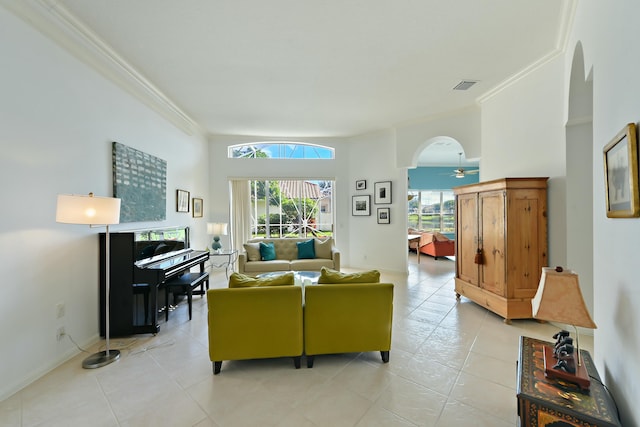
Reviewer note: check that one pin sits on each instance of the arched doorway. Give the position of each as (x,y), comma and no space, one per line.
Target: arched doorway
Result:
(440,165)
(579,167)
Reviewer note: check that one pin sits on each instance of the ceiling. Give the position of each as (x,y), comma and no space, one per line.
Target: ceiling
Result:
(331,68)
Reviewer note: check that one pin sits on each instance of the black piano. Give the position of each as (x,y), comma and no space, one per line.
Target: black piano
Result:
(141,261)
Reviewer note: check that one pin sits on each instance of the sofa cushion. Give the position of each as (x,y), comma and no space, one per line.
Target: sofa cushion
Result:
(237,280)
(328,275)
(306,249)
(253,251)
(267,251)
(314,264)
(322,248)
(254,268)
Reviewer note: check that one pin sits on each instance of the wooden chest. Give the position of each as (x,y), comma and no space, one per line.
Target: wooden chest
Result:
(551,402)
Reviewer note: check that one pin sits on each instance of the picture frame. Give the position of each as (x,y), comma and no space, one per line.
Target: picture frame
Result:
(182,201)
(197,207)
(382,193)
(384,215)
(621,174)
(361,205)
(361,184)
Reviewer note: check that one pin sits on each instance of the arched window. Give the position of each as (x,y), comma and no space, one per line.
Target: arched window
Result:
(280,150)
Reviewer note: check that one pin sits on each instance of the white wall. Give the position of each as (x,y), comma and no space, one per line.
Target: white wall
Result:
(523,133)
(372,245)
(609,44)
(58,118)
(523,136)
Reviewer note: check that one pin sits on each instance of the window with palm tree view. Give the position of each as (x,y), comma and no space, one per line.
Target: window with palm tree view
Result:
(291,208)
(432,210)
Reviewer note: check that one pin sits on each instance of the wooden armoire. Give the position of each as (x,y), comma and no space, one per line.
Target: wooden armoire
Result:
(501,243)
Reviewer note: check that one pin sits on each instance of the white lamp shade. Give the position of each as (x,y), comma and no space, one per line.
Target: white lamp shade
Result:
(217,228)
(76,209)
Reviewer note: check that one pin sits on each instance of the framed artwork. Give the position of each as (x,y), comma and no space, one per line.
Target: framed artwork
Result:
(361,184)
(361,205)
(382,193)
(140,180)
(621,174)
(182,201)
(384,215)
(196,207)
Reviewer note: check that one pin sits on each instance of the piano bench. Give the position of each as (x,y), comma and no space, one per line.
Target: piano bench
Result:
(185,284)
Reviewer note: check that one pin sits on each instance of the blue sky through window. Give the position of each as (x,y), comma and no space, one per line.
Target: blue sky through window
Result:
(281,150)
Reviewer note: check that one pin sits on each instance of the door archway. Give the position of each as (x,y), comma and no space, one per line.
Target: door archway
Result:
(579,172)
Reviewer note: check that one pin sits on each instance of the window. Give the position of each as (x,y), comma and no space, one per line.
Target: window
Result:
(291,208)
(280,150)
(432,210)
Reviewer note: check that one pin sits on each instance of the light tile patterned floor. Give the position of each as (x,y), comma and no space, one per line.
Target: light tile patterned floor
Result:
(452,363)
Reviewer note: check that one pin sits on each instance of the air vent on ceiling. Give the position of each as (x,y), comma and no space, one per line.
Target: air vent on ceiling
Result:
(465,84)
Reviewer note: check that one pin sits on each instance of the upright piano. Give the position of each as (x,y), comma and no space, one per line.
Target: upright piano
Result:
(141,261)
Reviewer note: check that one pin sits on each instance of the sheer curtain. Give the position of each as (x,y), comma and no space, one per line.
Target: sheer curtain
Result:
(240,212)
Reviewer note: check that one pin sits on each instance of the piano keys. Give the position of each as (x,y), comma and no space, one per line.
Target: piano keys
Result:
(141,261)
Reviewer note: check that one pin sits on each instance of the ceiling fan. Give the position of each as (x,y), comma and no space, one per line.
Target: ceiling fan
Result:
(460,172)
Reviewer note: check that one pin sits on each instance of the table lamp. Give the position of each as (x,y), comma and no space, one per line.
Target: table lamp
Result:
(216,229)
(559,299)
(90,210)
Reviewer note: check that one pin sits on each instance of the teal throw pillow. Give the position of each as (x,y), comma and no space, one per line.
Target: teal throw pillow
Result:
(306,250)
(267,251)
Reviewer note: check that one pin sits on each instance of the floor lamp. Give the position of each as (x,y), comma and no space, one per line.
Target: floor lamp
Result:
(93,211)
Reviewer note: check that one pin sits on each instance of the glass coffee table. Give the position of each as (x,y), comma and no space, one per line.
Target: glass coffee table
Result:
(301,277)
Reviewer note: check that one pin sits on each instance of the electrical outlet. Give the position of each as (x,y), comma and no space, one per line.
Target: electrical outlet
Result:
(60,310)
(60,333)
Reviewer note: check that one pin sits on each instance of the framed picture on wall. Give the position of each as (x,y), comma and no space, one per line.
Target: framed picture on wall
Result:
(384,215)
(196,207)
(382,193)
(621,174)
(361,184)
(182,201)
(361,205)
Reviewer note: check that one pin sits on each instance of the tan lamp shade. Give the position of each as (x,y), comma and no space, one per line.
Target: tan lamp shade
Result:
(559,299)
(78,209)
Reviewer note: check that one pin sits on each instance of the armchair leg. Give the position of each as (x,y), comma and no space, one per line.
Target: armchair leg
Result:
(216,367)
(309,361)
(385,356)
(296,362)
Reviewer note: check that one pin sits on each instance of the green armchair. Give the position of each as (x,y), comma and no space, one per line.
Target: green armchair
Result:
(348,318)
(255,323)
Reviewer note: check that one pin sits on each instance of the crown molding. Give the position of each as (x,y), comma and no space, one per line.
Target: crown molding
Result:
(58,24)
(566,23)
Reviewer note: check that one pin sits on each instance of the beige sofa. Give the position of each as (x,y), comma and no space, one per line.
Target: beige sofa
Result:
(326,255)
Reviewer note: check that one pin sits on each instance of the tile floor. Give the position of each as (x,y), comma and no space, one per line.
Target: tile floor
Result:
(451,363)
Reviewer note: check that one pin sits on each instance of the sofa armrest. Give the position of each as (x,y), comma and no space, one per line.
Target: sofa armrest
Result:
(346,318)
(335,256)
(242,260)
(260,322)
(426,238)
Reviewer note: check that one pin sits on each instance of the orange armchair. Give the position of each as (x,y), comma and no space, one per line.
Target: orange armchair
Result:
(436,244)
